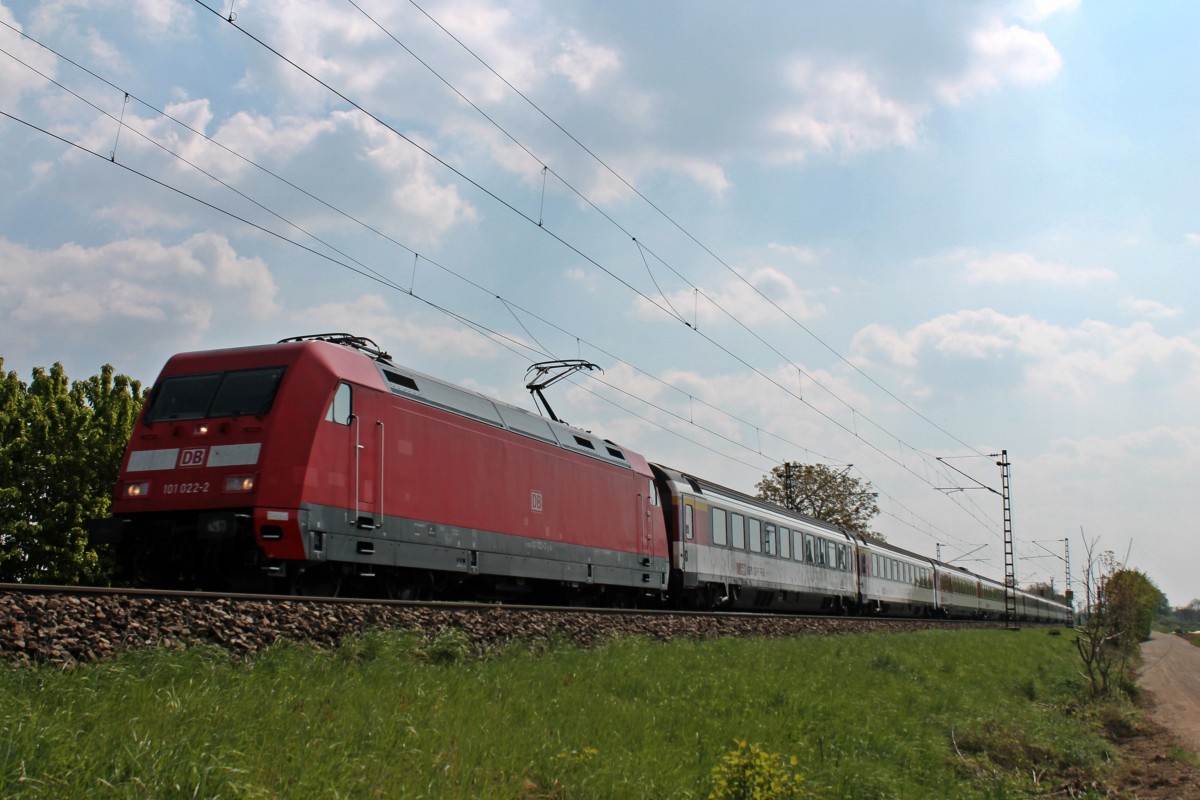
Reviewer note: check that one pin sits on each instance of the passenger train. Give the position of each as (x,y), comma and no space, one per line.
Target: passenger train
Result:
(318,465)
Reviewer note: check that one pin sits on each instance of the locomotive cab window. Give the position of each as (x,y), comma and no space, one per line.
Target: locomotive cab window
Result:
(340,409)
(247,392)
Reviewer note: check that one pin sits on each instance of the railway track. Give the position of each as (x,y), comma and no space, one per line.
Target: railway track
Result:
(70,625)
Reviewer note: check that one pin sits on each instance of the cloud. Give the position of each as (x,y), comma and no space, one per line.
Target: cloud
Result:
(1150,309)
(87,296)
(1010,268)
(1040,10)
(584,63)
(1192,238)
(1002,55)
(1077,360)
(371,315)
(739,298)
(15,79)
(840,109)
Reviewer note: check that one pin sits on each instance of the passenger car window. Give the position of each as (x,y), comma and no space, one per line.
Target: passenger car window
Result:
(720,532)
(754,535)
(810,546)
(785,543)
(739,530)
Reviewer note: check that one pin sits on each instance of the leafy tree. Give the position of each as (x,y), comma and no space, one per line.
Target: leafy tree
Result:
(61,445)
(1133,600)
(1046,589)
(823,493)
(1190,612)
(1120,604)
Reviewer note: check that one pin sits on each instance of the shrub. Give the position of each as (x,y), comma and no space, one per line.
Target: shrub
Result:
(748,772)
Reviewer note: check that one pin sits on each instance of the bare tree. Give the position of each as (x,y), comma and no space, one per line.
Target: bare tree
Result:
(1120,605)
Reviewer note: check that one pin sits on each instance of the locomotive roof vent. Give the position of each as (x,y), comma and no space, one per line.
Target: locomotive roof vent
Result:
(360,343)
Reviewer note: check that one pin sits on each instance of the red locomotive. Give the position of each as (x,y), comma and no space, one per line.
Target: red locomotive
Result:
(318,462)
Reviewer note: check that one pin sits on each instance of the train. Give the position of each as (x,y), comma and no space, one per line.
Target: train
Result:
(318,465)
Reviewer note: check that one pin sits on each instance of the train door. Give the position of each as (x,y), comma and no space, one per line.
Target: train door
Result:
(688,533)
(368,430)
(647,505)
(359,464)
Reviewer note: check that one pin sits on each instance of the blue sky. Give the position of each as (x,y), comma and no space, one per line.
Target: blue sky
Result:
(897,231)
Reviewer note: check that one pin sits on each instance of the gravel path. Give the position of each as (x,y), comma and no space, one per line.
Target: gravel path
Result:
(1171,674)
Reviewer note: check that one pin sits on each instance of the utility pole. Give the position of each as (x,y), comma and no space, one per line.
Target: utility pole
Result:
(1010,570)
(1068,595)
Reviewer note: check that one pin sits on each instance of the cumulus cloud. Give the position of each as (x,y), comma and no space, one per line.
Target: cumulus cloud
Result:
(1009,268)
(1073,359)
(1040,10)
(737,298)
(167,292)
(1003,55)
(843,109)
(16,80)
(375,318)
(1150,309)
(584,63)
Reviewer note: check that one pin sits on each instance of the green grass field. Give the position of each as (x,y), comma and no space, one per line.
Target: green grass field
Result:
(936,714)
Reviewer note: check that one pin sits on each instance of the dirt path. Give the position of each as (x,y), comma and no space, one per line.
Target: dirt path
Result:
(1171,674)
(1170,678)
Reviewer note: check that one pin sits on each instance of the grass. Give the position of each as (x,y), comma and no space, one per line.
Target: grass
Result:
(935,714)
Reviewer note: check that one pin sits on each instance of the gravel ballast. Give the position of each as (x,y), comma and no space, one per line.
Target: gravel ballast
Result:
(66,629)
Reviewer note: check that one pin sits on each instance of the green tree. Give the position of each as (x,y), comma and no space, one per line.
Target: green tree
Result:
(1119,609)
(61,445)
(824,493)
(1133,600)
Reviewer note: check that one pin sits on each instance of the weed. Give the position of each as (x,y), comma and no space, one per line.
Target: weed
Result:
(749,772)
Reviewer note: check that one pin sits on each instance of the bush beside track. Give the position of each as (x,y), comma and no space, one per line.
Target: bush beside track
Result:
(64,628)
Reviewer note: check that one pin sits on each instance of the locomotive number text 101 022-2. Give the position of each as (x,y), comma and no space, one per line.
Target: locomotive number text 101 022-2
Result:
(197,487)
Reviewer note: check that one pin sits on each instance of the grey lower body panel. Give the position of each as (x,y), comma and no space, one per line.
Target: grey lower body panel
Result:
(420,545)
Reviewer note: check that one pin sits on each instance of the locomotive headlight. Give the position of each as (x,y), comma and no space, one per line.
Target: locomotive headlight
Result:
(239,483)
(135,489)
(201,429)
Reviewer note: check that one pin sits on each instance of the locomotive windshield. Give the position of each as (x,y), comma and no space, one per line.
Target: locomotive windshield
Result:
(248,392)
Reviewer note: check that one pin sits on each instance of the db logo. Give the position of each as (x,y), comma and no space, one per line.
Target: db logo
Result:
(535,501)
(193,457)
